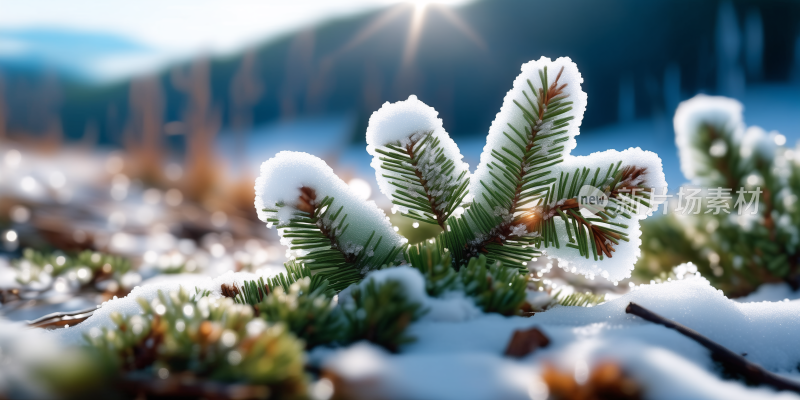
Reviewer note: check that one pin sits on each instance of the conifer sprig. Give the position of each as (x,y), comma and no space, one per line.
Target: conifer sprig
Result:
(424,177)
(519,178)
(741,245)
(253,292)
(521,203)
(315,229)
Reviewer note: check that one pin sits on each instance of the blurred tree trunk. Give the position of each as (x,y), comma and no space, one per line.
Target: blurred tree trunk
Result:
(143,138)
(246,89)
(202,119)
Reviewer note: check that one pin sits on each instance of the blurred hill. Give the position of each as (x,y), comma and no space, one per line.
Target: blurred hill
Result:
(638,59)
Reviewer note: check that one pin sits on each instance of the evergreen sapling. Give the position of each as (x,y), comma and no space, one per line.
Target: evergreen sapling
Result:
(521,203)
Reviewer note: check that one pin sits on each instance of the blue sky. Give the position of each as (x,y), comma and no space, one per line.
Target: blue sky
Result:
(108,39)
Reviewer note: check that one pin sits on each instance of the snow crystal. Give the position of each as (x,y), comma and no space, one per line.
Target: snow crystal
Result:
(281,179)
(401,122)
(721,112)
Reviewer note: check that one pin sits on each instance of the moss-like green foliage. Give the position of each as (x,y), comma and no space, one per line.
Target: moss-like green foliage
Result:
(89,266)
(307,312)
(213,338)
(379,313)
(495,288)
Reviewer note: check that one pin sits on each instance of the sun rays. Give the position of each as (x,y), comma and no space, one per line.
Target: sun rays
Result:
(419,10)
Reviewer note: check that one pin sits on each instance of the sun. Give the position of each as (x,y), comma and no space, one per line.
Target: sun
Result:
(420,5)
(419,9)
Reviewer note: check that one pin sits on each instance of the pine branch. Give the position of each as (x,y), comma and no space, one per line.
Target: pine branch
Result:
(417,164)
(307,311)
(435,266)
(519,178)
(253,292)
(315,229)
(717,150)
(424,178)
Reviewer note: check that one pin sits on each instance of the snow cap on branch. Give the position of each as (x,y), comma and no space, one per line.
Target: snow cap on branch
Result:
(282,178)
(721,113)
(758,143)
(511,115)
(404,124)
(626,253)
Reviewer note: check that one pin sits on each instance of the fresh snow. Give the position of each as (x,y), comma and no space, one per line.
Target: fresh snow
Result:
(757,143)
(459,354)
(464,360)
(771,292)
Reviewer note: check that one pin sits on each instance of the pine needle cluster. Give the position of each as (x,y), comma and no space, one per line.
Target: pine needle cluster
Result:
(494,288)
(379,313)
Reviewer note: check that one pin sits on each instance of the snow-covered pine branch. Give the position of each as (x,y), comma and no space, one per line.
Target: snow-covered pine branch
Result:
(525,189)
(608,242)
(332,230)
(762,177)
(417,165)
(526,186)
(709,132)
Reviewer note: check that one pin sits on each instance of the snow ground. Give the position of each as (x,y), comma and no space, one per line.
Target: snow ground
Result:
(771,292)
(461,358)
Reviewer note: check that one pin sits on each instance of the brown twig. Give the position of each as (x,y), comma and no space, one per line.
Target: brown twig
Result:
(630,181)
(59,319)
(307,201)
(731,361)
(440,217)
